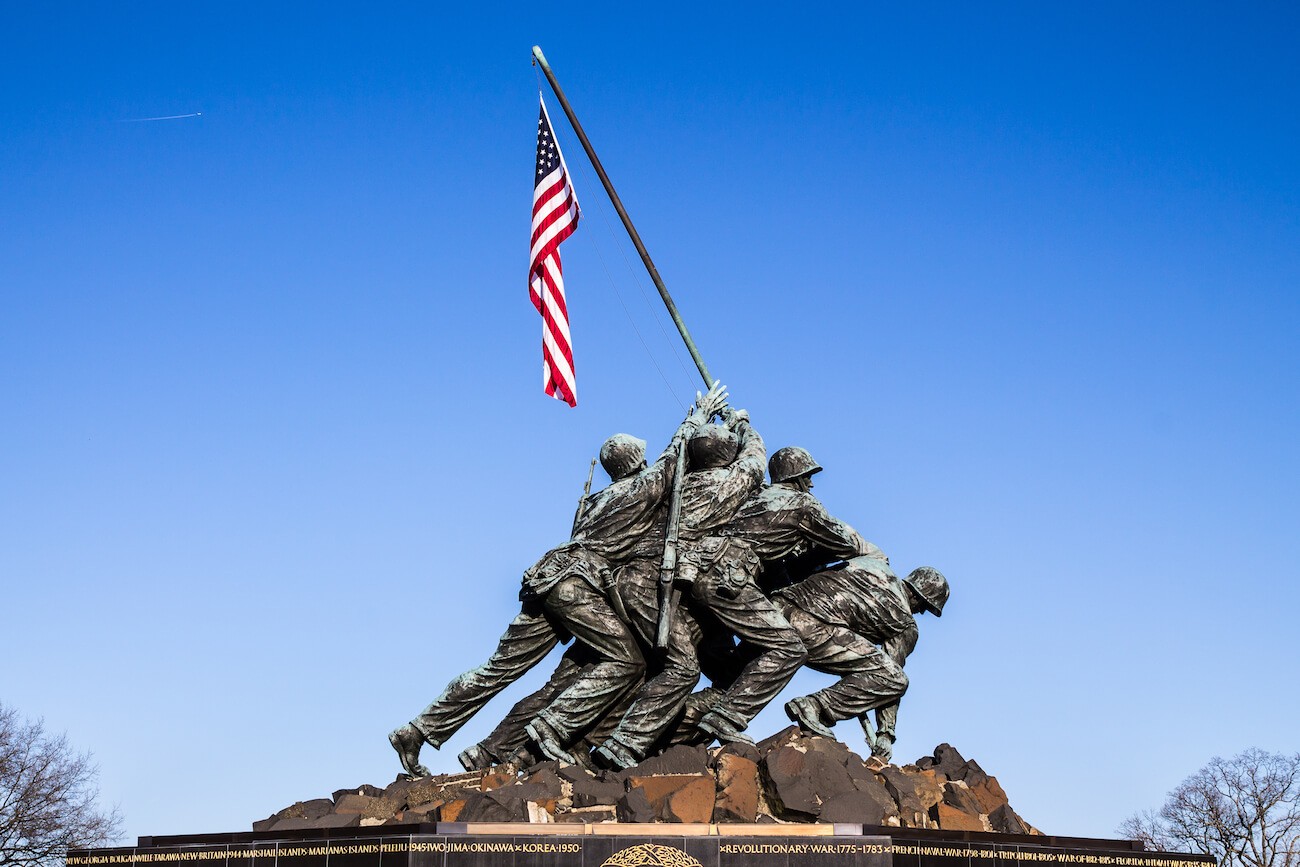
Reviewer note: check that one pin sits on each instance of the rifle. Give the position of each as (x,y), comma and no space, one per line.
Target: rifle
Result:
(868,730)
(582,501)
(670,550)
(668,568)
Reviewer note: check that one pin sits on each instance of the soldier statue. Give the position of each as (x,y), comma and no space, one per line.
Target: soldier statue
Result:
(564,593)
(724,546)
(618,696)
(843,614)
(633,592)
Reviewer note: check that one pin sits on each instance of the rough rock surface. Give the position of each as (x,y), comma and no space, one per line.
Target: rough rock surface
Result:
(738,789)
(789,777)
(678,797)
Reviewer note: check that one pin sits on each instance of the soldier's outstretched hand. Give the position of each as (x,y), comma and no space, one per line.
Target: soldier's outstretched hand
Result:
(712,403)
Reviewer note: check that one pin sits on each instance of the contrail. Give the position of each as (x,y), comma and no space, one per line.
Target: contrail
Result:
(168,117)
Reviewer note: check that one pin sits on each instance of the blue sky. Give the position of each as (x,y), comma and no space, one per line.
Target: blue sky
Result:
(1025,278)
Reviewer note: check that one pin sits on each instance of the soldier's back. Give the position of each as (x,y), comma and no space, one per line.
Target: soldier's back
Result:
(863,595)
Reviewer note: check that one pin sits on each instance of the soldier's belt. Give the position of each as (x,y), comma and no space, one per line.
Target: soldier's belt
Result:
(567,561)
(725,557)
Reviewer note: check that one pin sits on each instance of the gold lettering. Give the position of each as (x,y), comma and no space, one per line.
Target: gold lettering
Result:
(551,846)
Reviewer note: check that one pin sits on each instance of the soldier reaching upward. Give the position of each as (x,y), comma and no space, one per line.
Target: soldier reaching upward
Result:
(726,466)
(723,548)
(564,593)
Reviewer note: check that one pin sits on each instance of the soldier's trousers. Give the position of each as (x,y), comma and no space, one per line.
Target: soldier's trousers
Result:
(574,606)
(755,619)
(660,700)
(869,678)
(509,735)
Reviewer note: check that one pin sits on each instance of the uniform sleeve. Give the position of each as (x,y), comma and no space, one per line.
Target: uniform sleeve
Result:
(744,477)
(901,645)
(645,491)
(655,481)
(830,533)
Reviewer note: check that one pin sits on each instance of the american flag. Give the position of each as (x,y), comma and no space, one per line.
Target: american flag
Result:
(555,216)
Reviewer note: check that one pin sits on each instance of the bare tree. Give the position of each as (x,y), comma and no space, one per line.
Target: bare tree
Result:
(48,796)
(1245,811)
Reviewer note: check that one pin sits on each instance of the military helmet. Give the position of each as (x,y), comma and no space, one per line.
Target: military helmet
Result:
(931,586)
(621,455)
(712,446)
(791,462)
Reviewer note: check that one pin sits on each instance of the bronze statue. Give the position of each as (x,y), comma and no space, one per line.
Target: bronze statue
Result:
(843,614)
(777,521)
(563,593)
(725,466)
(510,743)
(724,546)
(741,605)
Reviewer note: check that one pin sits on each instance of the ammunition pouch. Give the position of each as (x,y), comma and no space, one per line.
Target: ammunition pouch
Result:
(558,564)
(728,563)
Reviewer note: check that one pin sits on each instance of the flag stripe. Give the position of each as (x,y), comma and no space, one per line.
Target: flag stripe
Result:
(550,240)
(557,327)
(554,317)
(555,217)
(553,226)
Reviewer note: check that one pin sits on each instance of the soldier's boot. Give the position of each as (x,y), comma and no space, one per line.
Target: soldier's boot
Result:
(525,757)
(883,748)
(407,740)
(584,759)
(615,756)
(808,715)
(476,758)
(548,741)
(726,731)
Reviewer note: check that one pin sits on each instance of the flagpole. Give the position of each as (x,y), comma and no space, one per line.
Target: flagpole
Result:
(627,221)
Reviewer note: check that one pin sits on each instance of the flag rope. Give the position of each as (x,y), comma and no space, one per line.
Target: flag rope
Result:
(632,233)
(645,295)
(622,302)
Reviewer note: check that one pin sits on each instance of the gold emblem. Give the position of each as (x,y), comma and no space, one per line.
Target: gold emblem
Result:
(650,855)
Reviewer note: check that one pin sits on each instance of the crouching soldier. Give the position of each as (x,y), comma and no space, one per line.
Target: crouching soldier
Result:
(857,620)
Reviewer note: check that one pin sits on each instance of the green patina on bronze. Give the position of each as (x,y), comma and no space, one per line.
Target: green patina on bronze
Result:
(761,580)
(686,567)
